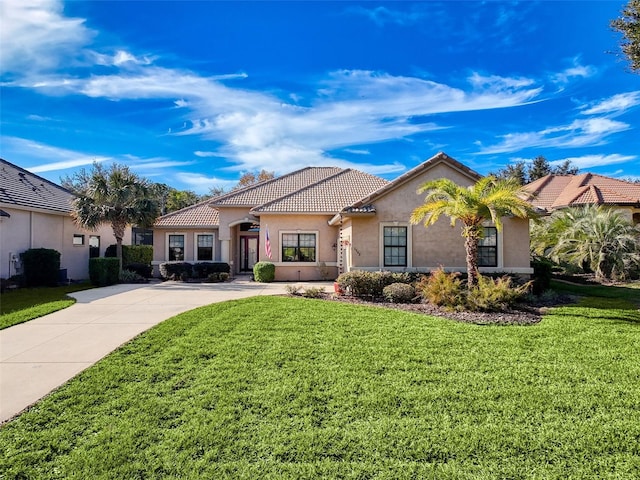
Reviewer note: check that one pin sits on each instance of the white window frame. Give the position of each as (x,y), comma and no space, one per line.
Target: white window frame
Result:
(408,226)
(166,246)
(298,264)
(195,246)
(80,237)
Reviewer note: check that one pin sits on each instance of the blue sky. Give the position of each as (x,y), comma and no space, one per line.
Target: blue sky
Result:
(193,94)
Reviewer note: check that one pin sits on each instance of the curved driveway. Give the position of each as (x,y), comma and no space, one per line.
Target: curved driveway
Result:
(40,355)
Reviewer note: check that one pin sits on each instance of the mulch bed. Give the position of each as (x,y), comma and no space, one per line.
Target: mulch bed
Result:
(525,314)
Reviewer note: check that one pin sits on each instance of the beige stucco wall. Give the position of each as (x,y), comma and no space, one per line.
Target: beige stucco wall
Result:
(326,237)
(27,229)
(435,246)
(160,241)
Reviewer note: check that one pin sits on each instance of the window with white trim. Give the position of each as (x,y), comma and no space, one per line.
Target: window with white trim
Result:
(488,248)
(395,246)
(78,239)
(299,247)
(204,246)
(176,247)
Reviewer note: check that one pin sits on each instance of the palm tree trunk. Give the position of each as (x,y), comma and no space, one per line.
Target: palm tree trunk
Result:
(118,232)
(471,247)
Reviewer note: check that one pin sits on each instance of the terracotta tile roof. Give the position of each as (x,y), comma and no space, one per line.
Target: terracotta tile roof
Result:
(438,158)
(557,191)
(199,215)
(21,188)
(329,195)
(270,190)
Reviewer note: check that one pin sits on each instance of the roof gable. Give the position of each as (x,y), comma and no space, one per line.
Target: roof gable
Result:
(557,191)
(21,188)
(438,159)
(201,214)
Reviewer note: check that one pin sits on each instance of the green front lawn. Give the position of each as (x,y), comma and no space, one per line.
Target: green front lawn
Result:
(276,387)
(26,304)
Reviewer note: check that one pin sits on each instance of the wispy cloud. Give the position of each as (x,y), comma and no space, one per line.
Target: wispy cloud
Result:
(576,70)
(202,183)
(588,161)
(616,104)
(357,151)
(579,133)
(54,158)
(383,15)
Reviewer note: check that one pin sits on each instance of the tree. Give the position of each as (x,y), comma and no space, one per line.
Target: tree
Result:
(178,199)
(629,26)
(113,196)
(539,167)
(250,178)
(592,237)
(488,199)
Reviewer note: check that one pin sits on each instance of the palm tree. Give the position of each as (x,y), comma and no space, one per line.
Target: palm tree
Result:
(488,199)
(599,238)
(114,196)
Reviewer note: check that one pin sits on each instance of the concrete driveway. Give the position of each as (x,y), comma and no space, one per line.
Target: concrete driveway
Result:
(38,356)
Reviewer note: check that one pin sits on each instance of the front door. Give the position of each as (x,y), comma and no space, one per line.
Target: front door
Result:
(248,253)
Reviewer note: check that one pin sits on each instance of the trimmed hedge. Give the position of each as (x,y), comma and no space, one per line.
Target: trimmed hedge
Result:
(361,283)
(185,270)
(264,272)
(142,269)
(41,267)
(132,253)
(104,271)
(204,269)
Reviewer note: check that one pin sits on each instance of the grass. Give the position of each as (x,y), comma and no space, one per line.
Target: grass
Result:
(276,387)
(26,304)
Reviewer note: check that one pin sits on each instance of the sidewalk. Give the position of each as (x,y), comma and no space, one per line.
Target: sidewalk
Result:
(38,356)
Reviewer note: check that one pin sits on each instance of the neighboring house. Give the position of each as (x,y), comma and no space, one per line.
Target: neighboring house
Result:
(322,221)
(36,213)
(555,192)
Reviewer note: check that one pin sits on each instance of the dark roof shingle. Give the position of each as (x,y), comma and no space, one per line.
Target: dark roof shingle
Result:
(21,188)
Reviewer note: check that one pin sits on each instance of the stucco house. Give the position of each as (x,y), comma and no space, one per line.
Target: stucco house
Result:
(554,192)
(318,222)
(36,213)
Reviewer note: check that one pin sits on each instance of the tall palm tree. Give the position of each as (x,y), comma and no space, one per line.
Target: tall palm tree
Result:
(114,196)
(488,199)
(599,238)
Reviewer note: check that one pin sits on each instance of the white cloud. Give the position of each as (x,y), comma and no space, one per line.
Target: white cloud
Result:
(575,71)
(382,15)
(615,104)
(202,183)
(357,151)
(55,158)
(588,161)
(199,153)
(36,36)
(579,133)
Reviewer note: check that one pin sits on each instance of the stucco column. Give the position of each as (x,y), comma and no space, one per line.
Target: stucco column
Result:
(224,251)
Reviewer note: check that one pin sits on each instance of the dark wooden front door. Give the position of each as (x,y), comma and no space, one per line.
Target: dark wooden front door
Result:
(248,253)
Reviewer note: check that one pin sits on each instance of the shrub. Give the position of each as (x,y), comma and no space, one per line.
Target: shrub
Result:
(129,276)
(224,276)
(361,283)
(491,295)
(132,253)
(41,267)
(443,289)
(174,271)
(293,289)
(542,271)
(399,293)
(204,269)
(313,292)
(142,269)
(104,271)
(264,272)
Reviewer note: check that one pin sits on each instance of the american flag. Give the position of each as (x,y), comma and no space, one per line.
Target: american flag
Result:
(267,242)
